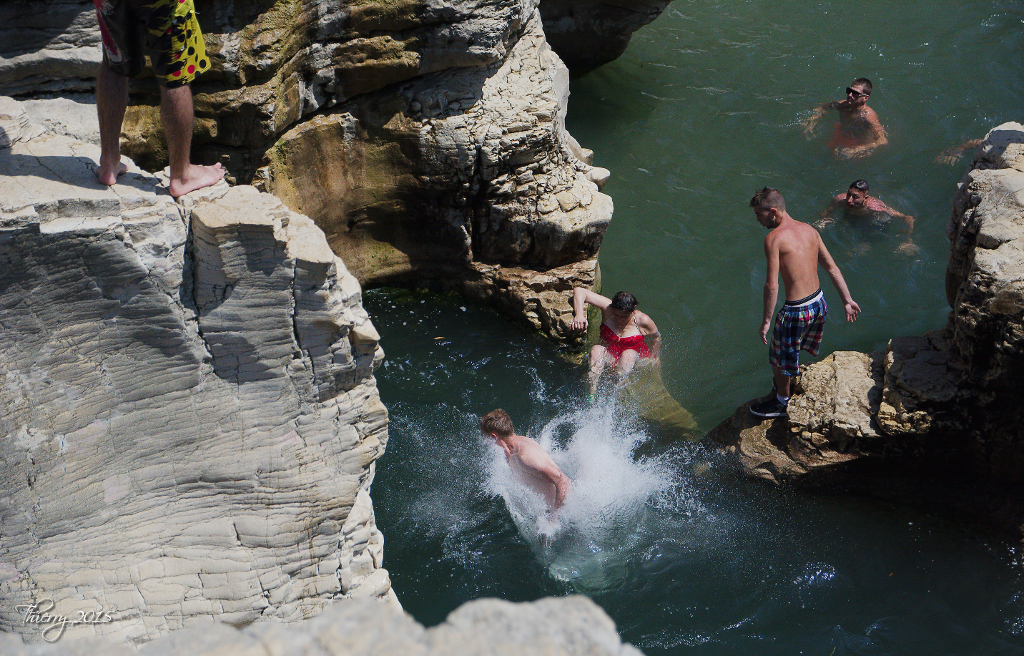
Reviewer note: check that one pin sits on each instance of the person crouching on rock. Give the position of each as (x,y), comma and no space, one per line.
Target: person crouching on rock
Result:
(624,333)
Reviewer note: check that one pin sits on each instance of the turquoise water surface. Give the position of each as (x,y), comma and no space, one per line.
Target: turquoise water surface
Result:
(702,110)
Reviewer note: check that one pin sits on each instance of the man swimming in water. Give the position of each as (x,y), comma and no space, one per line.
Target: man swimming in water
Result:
(857,203)
(794,250)
(531,465)
(858,132)
(624,330)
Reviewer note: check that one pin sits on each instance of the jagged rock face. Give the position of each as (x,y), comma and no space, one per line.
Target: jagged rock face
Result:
(830,421)
(448,185)
(426,138)
(568,626)
(52,46)
(588,33)
(189,418)
(985,278)
(935,420)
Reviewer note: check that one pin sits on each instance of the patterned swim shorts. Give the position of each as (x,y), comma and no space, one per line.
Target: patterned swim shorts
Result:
(798,325)
(166,30)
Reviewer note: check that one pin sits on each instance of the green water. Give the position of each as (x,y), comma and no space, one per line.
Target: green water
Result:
(702,110)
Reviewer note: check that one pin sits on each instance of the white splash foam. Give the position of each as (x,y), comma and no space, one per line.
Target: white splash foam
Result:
(591,538)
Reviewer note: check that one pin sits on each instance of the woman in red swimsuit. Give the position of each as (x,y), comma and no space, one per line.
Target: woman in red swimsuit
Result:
(623,333)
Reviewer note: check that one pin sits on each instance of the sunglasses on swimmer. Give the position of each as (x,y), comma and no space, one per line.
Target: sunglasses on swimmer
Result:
(855,93)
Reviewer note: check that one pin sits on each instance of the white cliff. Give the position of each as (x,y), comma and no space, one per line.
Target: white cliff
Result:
(188,416)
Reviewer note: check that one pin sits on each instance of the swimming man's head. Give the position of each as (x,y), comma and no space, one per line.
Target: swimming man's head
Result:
(497,423)
(858,91)
(857,194)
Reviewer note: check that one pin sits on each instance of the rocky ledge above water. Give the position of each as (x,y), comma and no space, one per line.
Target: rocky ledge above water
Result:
(189,416)
(188,428)
(569,626)
(427,139)
(937,420)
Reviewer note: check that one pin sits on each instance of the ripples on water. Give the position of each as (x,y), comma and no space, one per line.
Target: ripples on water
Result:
(703,109)
(684,556)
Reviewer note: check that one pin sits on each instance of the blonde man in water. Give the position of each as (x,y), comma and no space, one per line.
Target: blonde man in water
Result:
(624,331)
(858,132)
(530,463)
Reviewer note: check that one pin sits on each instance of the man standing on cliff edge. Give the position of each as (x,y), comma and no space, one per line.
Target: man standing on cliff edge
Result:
(168,32)
(795,250)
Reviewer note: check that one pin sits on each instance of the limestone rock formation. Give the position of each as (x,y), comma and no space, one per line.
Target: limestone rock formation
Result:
(475,187)
(566,626)
(936,420)
(189,418)
(52,46)
(426,138)
(589,33)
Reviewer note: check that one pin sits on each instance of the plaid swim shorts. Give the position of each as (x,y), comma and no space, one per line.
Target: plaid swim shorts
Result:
(166,30)
(798,325)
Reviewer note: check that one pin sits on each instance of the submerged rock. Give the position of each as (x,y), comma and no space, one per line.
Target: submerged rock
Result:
(935,420)
(189,413)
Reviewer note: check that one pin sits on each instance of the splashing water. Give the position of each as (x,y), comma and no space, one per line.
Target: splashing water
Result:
(590,540)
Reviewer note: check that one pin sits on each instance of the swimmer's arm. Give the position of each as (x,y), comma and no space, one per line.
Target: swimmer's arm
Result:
(908,220)
(953,153)
(651,330)
(826,214)
(771,285)
(827,263)
(581,296)
(811,121)
(543,464)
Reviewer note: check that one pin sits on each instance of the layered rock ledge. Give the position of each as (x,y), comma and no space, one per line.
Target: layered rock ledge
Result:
(189,416)
(936,420)
(426,138)
(567,626)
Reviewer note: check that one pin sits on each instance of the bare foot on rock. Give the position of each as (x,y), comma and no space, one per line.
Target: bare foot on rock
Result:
(196,177)
(108,175)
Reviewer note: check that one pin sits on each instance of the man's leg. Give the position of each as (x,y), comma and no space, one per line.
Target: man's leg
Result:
(111,103)
(177,118)
(781,382)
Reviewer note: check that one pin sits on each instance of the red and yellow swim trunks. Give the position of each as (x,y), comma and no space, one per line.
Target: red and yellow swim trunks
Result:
(166,30)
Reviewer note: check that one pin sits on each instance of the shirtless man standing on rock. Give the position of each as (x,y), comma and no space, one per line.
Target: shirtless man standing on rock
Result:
(531,465)
(795,250)
(858,132)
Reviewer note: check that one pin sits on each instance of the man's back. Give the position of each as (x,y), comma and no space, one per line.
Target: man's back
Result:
(532,465)
(797,245)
